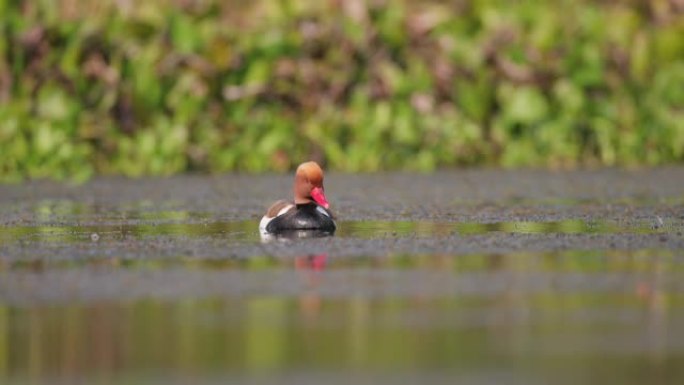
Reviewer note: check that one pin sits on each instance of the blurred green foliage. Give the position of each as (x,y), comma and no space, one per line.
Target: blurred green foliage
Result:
(167,86)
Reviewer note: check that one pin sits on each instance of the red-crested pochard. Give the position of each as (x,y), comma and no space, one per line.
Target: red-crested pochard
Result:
(310,209)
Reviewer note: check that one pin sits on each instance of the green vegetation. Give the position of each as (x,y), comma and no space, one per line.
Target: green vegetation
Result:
(168,86)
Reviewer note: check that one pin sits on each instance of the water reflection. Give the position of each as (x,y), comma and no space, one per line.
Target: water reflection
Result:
(526,313)
(197,225)
(592,316)
(311,262)
(310,302)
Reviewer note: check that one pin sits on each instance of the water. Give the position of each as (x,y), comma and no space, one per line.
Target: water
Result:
(197,224)
(123,291)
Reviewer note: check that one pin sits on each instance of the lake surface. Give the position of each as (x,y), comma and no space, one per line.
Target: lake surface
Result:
(478,276)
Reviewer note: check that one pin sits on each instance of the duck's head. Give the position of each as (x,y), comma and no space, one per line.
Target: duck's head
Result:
(308,185)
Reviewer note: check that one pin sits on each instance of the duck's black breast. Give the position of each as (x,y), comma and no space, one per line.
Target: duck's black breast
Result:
(308,216)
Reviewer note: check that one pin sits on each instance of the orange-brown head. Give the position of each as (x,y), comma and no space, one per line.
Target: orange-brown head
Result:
(308,184)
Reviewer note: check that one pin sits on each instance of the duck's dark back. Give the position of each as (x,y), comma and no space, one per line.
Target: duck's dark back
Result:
(303,217)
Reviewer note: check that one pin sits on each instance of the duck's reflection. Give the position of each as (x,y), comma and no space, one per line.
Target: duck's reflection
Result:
(311,262)
(310,267)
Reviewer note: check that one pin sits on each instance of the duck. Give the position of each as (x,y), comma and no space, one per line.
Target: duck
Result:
(309,213)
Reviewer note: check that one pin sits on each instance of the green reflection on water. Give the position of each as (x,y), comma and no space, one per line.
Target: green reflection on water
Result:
(307,333)
(371,229)
(266,333)
(242,230)
(4,343)
(643,261)
(167,225)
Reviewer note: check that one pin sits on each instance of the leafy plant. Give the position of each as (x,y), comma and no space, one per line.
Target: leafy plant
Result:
(168,86)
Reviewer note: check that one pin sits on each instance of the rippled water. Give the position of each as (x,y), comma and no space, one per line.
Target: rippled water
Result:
(244,230)
(131,293)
